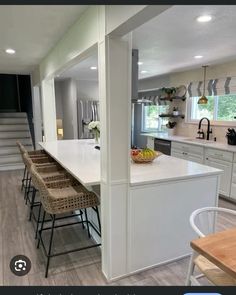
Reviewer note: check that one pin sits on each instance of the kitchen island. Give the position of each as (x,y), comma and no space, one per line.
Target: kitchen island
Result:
(160,199)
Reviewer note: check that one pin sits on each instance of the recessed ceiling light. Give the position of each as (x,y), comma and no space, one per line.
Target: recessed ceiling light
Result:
(10,51)
(93,68)
(143,72)
(198,56)
(140,63)
(204,18)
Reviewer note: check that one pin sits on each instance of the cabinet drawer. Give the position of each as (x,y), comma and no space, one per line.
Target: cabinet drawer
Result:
(187,148)
(219,154)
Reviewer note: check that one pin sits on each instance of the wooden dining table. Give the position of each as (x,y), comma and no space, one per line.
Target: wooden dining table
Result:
(220,249)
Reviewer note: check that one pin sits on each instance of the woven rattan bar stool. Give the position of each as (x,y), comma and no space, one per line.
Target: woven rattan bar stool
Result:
(39,162)
(35,153)
(50,171)
(60,198)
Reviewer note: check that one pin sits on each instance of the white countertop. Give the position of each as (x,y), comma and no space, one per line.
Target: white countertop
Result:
(166,168)
(184,139)
(79,157)
(82,160)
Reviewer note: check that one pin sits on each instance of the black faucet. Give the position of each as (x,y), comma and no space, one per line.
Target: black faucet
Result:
(208,128)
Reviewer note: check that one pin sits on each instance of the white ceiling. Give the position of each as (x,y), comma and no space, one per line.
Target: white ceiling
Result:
(32,30)
(169,42)
(82,70)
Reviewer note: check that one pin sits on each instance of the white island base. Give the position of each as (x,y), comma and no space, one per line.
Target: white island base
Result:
(158,220)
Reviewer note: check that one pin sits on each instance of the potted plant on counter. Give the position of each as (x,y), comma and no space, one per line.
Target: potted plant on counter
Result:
(170,128)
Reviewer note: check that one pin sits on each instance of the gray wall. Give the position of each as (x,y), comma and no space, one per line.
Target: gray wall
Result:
(58,97)
(66,107)
(87,89)
(66,93)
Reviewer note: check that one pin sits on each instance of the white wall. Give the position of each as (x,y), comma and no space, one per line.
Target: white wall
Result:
(87,89)
(184,78)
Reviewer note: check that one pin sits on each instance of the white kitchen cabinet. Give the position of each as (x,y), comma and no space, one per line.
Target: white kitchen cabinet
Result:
(226,166)
(221,159)
(150,142)
(233,182)
(187,151)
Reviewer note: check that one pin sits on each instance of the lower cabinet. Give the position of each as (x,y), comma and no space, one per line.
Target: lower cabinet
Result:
(233,183)
(225,179)
(187,156)
(187,152)
(150,142)
(211,157)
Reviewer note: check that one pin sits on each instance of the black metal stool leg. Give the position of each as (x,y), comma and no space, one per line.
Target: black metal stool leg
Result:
(87,223)
(50,245)
(40,231)
(81,217)
(32,203)
(99,222)
(38,219)
(26,185)
(28,191)
(23,179)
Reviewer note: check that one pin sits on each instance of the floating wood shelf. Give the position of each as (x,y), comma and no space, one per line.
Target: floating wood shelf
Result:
(173,98)
(171,116)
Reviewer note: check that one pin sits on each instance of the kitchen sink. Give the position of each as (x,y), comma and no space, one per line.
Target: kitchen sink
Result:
(202,141)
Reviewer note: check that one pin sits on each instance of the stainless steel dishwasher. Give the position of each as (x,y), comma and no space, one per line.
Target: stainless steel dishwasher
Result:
(162,145)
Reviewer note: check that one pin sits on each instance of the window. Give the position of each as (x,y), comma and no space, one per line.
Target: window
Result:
(150,117)
(220,108)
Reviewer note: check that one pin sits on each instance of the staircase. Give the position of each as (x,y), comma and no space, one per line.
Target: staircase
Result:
(13,127)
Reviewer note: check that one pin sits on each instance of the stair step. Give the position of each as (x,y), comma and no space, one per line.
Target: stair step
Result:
(14,127)
(13,115)
(12,142)
(13,121)
(9,159)
(11,166)
(12,150)
(14,134)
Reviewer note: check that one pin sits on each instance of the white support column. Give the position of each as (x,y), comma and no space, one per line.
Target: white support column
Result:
(37,116)
(49,110)
(115,101)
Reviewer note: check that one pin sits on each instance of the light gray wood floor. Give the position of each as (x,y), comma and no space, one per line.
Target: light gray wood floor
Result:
(81,268)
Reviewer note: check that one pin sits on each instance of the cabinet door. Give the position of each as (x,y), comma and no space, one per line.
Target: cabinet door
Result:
(150,143)
(195,158)
(178,154)
(225,179)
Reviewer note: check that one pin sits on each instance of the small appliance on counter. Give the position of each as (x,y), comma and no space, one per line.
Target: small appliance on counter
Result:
(231,136)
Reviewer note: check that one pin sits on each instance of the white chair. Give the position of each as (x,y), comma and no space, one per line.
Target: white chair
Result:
(203,222)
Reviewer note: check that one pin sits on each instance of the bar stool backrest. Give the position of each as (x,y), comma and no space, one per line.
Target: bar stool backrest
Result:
(27,161)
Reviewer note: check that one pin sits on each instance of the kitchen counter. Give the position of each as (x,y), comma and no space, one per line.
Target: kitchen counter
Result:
(82,160)
(185,139)
(154,213)
(166,168)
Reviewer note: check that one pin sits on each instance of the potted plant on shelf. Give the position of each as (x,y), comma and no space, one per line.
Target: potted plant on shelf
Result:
(94,127)
(168,92)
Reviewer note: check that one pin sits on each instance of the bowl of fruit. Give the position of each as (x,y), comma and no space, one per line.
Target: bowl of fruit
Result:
(145,155)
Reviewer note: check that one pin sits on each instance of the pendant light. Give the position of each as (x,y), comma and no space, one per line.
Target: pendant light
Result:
(203,99)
